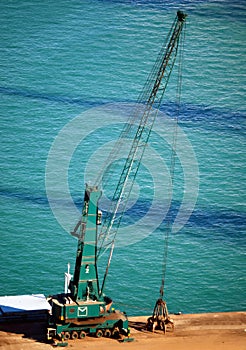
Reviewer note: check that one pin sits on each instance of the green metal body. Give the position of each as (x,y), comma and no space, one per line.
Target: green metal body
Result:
(85,285)
(84,308)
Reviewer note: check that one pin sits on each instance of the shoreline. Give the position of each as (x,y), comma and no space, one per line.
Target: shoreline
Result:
(214,331)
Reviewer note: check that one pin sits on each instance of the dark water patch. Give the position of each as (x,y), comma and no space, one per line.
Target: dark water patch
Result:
(160,4)
(214,217)
(227,9)
(203,116)
(31,94)
(230,10)
(232,222)
(35,199)
(228,221)
(207,117)
(24,196)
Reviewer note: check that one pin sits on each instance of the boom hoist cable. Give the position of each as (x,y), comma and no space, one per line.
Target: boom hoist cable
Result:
(173,157)
(172,163)
(160,318)
(144,116)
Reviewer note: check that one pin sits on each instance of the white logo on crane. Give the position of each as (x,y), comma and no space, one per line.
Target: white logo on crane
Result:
(82,311)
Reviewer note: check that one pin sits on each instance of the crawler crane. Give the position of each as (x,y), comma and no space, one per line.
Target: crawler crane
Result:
(84,309)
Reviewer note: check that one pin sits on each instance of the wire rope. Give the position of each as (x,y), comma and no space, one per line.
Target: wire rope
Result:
(172,163)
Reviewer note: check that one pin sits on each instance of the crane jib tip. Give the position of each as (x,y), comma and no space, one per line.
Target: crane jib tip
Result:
(181,16)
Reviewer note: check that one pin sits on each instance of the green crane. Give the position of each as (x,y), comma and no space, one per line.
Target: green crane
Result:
(85,309)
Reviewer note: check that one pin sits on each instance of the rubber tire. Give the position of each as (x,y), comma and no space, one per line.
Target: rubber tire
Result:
(107,333)
(66,336)
(99,333)
(115,333)
(74,335)
(82,335)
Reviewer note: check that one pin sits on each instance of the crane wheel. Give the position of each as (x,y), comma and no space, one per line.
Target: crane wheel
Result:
(99,333)
(107,333)
(82,335)
(66,336)
(115,333)
(74,335)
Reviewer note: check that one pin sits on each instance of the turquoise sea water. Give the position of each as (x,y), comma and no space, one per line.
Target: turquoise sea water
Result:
(61,59)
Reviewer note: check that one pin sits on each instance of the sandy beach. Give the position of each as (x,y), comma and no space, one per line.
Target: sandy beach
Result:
(192,331)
